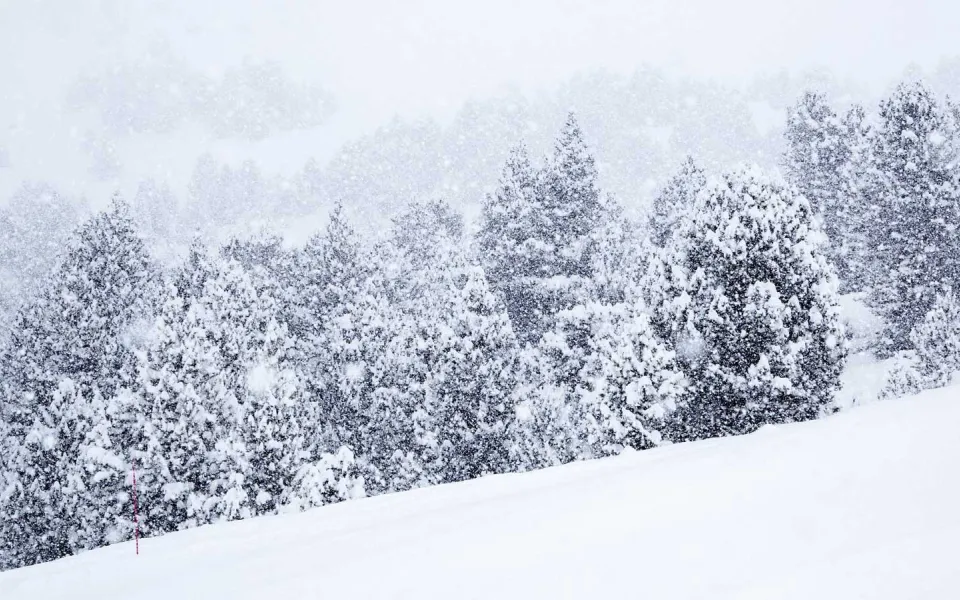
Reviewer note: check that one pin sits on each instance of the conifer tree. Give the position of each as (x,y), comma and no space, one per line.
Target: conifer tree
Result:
(400,431)
(913,184)
(472,378)
(620,251)
(223,398)
(936,340)
(821,160)
(675,201)
(62,375)
(748,299)
(572,210)
(538,235)
(339,305)
(508,243)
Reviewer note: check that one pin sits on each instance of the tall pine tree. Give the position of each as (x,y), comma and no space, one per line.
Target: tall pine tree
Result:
(538,235)
(913,185)
(62,376)
(821,160)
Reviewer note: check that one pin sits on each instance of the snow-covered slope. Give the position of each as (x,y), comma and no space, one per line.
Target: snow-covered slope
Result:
(860,505)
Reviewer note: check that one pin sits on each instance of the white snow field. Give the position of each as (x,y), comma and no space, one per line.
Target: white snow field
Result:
(861,505)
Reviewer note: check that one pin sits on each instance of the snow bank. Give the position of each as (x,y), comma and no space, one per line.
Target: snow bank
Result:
(860,505)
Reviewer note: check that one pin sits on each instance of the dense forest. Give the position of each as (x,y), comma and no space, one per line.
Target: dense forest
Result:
(252,377)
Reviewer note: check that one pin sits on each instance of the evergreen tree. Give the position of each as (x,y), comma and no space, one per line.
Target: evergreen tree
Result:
(508,243)
(442,395)
(631,381)
(936,340)
(748,299)
(471,381)
(612,383)
(821,161)
(619,254)
(913,185)
(548,429)
(674,202)
(538,235)
(223,399)
(572,210)
(401,431)
(339,305)
(852,249)
(61,375)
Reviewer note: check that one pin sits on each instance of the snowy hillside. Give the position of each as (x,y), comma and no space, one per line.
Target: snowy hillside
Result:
(860,505)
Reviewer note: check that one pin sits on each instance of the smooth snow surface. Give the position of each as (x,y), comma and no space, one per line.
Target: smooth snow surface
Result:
(860,505)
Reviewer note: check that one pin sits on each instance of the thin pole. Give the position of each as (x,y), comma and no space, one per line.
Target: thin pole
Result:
(136,516)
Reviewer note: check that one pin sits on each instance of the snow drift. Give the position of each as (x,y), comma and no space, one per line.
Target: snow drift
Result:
(862,504)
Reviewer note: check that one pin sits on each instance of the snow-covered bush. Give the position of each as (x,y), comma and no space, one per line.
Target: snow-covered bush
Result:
(334,477)
(935,357)
(904,379)
(936,340)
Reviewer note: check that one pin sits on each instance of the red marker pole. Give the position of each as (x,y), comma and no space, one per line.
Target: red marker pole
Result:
(136,517)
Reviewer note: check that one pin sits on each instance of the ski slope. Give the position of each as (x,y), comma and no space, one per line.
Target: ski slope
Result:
(865,504)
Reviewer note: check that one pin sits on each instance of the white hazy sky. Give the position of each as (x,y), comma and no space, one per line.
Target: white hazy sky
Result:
(427,56)
(423,54)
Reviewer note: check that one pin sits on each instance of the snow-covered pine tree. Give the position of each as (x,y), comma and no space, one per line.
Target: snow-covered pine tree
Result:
(223,399)
(472,377)
(749,301)
(548,430)
(619,255)
(674,202)
(819,161)
(339,308)
(62,374)
(936,340)
(610,383)
(420,238)
(572,209)
(399,434)
(442,399)
(180,426)
(92,483)
(913,185)
(537,237)
(590,375)
(41,506)
(508,241)
(852,248)
(79,325)
(553,245)
(631,381)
